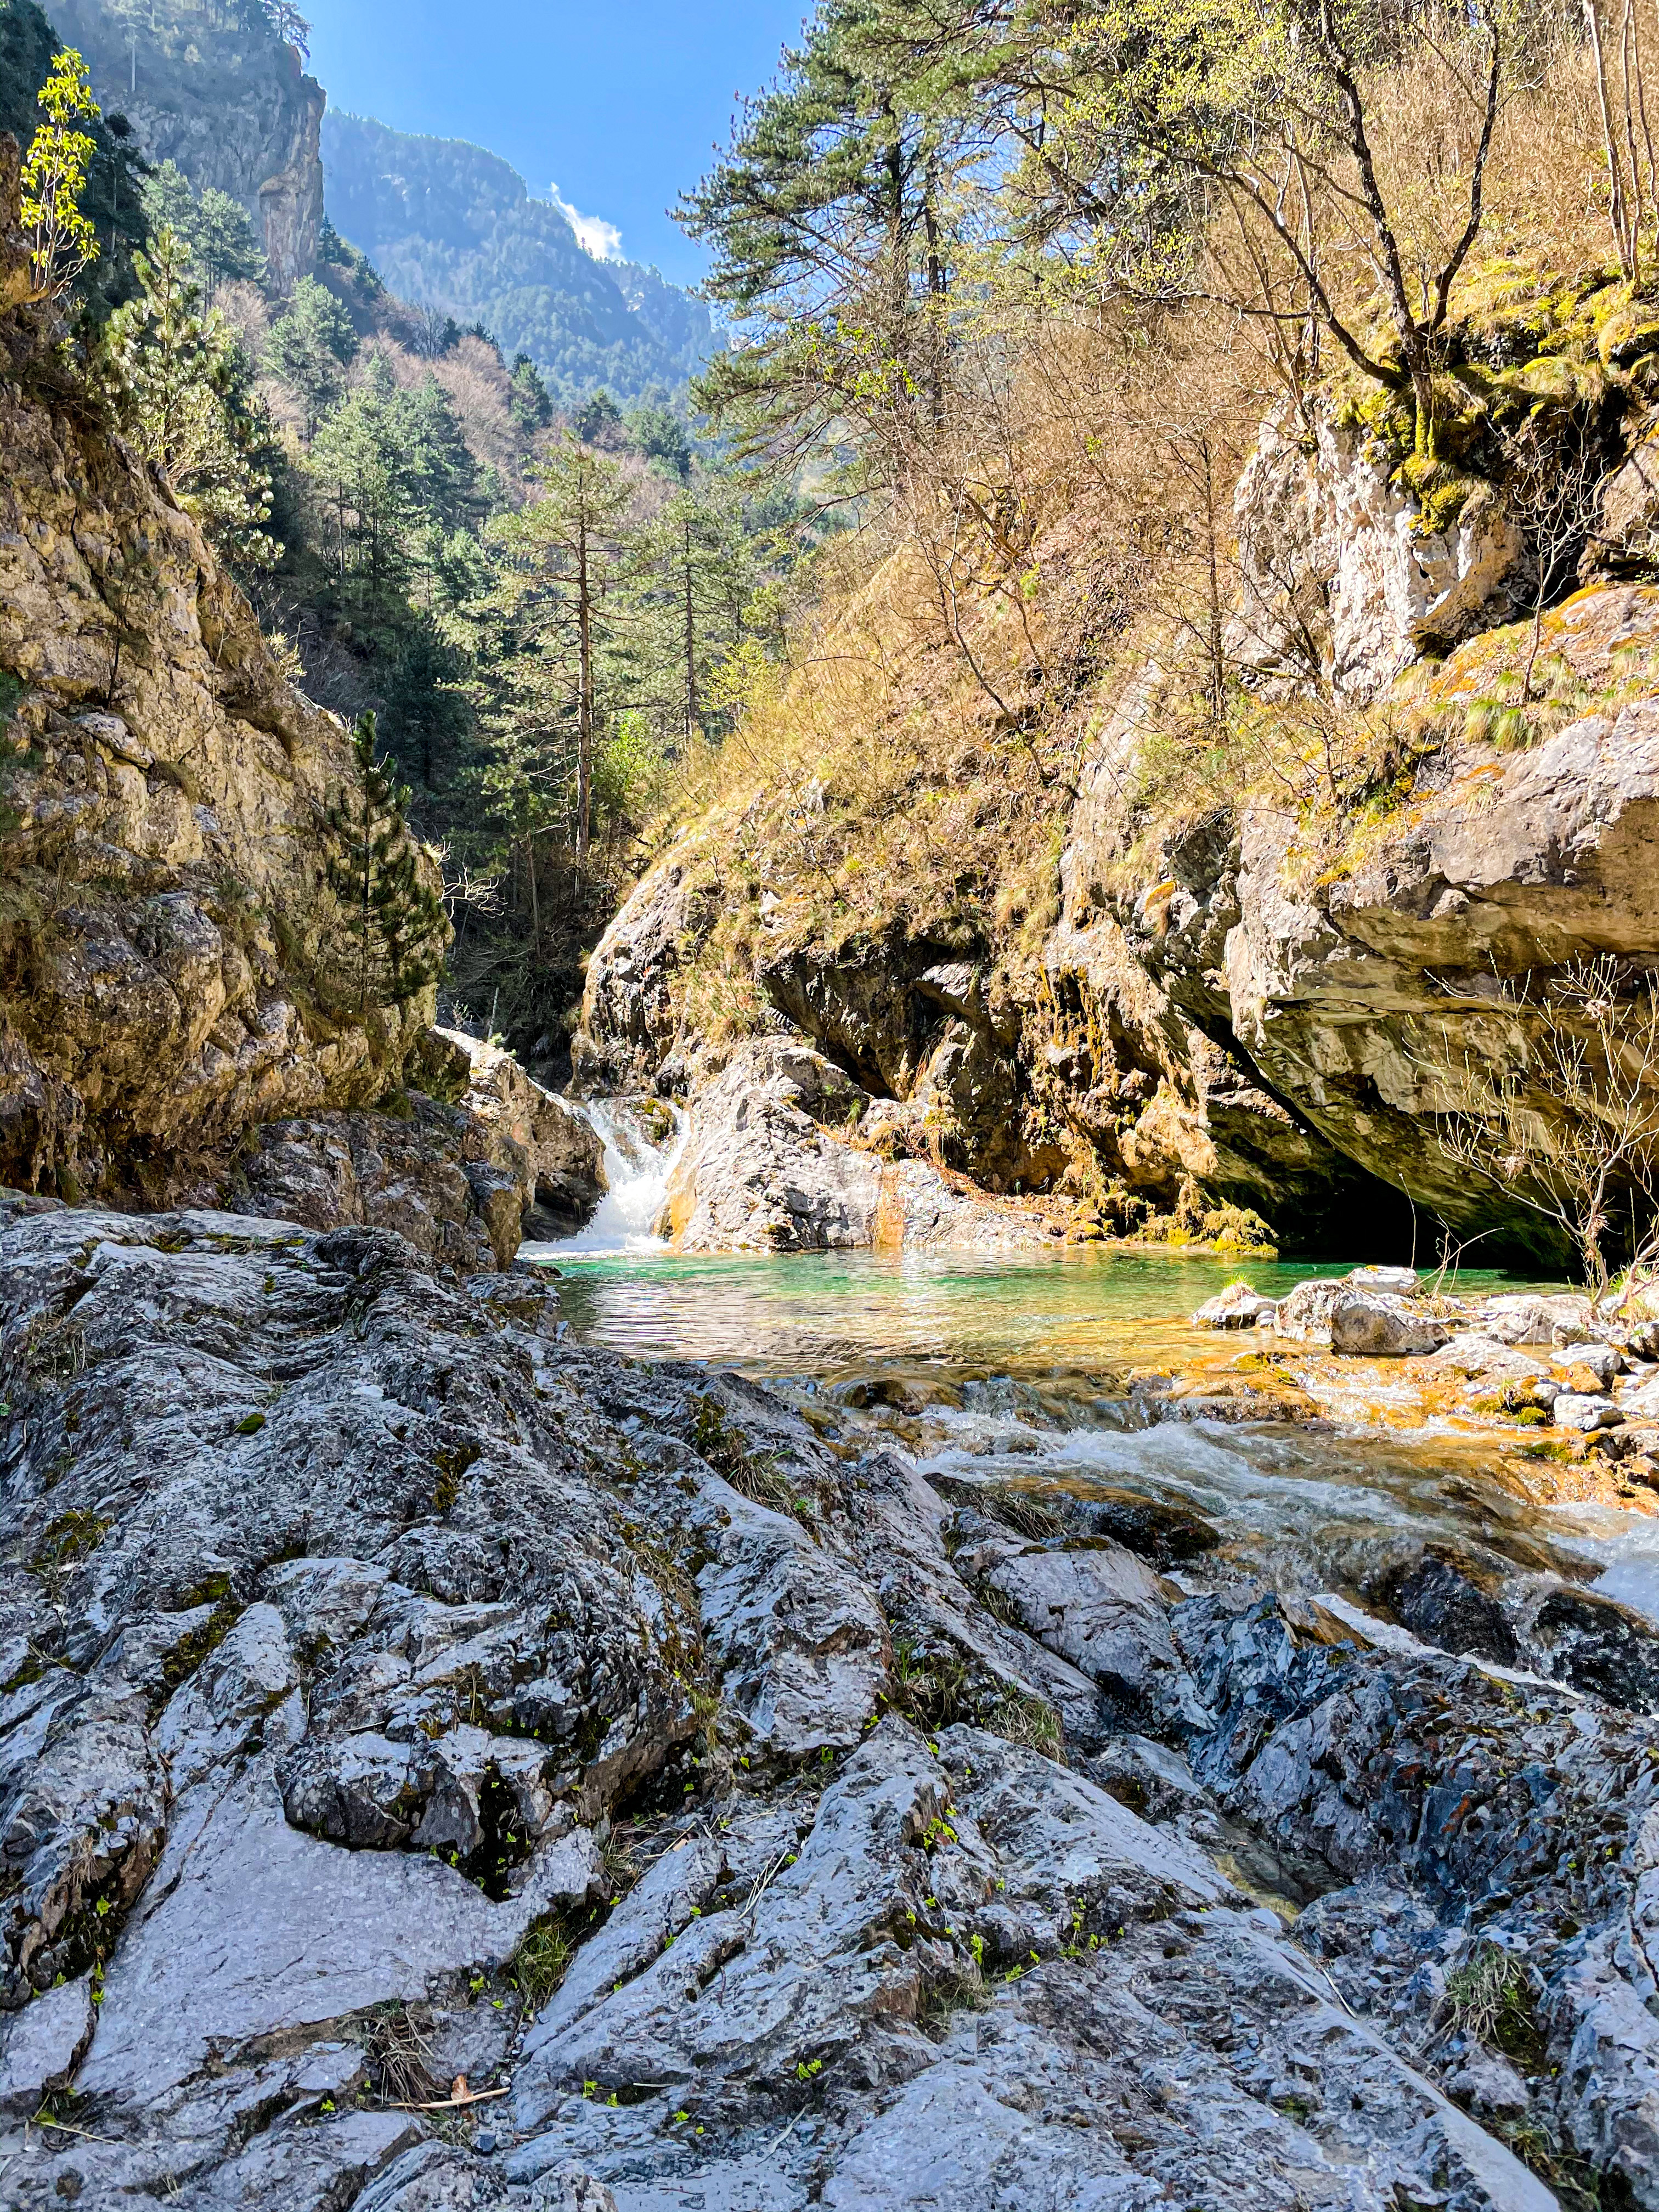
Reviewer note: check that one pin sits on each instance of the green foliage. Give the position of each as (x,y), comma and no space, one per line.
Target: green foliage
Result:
(216,230)
(1492,1998)
(661,436)
(598,421)
(309,348)
(394,923)
(541,1962)
(182,389)
(62,241)
(528,397)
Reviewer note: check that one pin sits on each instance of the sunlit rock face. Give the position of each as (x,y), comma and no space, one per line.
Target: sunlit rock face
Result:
(398,1700)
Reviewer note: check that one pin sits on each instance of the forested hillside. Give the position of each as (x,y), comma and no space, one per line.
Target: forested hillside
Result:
(453,227)
(536,590)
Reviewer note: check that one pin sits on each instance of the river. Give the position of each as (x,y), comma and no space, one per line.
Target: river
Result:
(1015,1371)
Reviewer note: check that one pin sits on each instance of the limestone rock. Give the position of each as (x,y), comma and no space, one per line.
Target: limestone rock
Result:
(1392,1282)
(236,111)
(1304,1313)
(630,1021)
(1336,993)
(465,1589)
(41,2045)
(167,824)
(1528,1318)
(555,1156)
(1585,1412)
(1103,1610)
(1374,1326)
(762,1169)
(460,1179)
(1334,565)
(1237,1307)
(1489,2086)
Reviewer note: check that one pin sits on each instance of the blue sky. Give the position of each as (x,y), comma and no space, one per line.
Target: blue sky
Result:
(619,104)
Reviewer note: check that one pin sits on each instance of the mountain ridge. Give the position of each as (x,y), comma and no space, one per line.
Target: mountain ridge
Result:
(449,224)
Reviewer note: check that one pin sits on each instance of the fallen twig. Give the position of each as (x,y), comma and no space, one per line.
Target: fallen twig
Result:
(453,2103)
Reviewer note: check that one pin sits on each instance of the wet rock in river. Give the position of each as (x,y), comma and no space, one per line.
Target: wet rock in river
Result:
(1596,1644)
(1375,1325)
(1237,1307)
(1304,1314)
(1585,1411)
(1450,1600)
(1530,1318)
(1394,1282)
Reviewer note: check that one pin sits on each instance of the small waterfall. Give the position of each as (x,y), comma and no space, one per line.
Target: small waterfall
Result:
(637,1167)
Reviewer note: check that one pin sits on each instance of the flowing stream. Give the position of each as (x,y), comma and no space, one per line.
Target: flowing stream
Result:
(1015,1370)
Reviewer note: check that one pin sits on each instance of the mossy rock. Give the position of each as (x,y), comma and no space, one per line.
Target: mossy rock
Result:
(1625,329)
(1444,493)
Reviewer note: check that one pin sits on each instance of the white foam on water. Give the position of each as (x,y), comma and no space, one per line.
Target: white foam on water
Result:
(636,1172)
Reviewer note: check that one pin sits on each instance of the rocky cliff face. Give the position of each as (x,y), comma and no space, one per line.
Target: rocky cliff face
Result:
(1270,1017)
(1358,995)
(171,969)
(229,101)
(1342,579)
(182,1007)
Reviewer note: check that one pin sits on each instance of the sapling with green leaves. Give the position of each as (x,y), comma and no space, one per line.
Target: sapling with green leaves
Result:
(62,242)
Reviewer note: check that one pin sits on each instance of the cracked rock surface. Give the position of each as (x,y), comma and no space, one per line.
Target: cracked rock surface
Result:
(443,1766)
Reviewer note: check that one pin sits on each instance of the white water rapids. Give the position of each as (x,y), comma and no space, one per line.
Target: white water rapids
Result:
(636,1172)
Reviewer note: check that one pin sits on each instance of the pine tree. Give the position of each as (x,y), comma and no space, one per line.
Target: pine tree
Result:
(309,349)
(182,391)
(829,220)
(396,926)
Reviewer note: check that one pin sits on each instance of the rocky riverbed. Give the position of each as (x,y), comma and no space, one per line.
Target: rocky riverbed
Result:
(444,1765)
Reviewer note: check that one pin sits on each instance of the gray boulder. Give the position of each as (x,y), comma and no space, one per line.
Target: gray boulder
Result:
(41,2045)
(1372,1325)
(1585,1411)
(1237,1307)
(1304,1313)
(1103,1609)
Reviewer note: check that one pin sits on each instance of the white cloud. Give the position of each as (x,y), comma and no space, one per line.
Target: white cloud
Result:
(595,236)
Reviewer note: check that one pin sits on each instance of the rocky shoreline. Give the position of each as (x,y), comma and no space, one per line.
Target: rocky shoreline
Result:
(397,1692)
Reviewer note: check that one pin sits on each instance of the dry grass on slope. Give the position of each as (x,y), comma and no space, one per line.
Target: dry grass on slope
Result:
(1036,608)
(915,764)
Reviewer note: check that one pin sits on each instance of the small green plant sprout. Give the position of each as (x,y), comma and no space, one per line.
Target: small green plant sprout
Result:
(809,2070)
(976,1945)
(681,2117)
(61,238)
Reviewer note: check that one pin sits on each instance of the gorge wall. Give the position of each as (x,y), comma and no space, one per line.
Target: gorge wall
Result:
(1261,999)
(229,101)
(187,1008)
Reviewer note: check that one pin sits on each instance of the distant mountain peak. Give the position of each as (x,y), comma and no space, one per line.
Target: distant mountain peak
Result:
(450,225)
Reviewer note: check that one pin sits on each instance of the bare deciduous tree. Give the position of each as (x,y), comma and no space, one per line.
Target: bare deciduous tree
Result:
(1573,1134)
